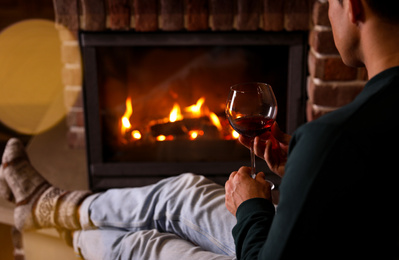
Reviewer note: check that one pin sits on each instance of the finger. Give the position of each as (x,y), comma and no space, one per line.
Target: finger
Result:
(268,154)
(280,135)
(245,170)
(245,141)
(259,147)
(260,177)
(266,135)
(232,175)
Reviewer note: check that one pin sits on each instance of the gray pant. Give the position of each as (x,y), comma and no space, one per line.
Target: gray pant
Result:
(182,217)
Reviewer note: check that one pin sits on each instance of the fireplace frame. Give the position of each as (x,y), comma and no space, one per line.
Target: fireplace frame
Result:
(104,175)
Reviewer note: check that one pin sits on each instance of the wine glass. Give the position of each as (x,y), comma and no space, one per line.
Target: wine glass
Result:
(251,110)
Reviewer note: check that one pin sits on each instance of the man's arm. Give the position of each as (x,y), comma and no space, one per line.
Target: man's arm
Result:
(254,218)
(250,201)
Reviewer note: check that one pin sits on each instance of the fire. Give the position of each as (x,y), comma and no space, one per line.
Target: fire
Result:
(190,123)
(195,110)
(136,134)
(215,120)
(126,126)
(234,134)
(175,114)
(164,138)
(193,134)
(126,116)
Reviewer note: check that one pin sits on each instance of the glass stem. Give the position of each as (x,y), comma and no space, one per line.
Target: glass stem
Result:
(253,169)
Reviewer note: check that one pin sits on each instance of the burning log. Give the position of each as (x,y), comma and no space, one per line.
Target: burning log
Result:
(187,128)
(170,128)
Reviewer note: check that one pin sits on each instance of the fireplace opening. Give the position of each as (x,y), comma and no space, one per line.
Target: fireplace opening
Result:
(154,102)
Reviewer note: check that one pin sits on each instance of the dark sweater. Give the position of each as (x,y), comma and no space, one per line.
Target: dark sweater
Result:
(339,197)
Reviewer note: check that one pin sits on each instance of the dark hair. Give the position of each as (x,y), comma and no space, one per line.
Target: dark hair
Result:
(387,10)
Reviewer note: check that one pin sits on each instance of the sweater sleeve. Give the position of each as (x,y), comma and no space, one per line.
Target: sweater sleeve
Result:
(254,218)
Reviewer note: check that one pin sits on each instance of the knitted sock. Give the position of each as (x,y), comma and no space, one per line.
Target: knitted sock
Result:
(38,203)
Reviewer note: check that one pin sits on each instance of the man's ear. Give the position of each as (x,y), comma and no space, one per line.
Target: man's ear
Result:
(356,11)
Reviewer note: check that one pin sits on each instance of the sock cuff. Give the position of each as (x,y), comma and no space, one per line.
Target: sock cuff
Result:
(67,209)
(44,208)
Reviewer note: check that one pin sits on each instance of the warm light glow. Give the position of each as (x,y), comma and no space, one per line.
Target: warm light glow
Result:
(161,138)
(125,118)
(193,134)
(175,114)
(183,123)
(125,123)
(136,134)
(215,121)
(196,109)
(164,138)
(32,96)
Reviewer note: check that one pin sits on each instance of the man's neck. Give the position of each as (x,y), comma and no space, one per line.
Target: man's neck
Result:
(380,47)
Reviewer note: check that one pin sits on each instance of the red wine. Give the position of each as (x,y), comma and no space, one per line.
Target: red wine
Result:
(251,126)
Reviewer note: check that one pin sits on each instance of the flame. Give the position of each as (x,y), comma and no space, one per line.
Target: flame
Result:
(125,118)
(175,114)
(195,110)
(136,134)
(161,138)
(164,138)
(193,134)
(215,121)
(234,134)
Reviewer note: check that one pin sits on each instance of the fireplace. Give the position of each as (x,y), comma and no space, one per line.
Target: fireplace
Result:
(330,84)
(154,102)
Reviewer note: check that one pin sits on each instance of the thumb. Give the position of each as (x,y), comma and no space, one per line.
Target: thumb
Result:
(260,176)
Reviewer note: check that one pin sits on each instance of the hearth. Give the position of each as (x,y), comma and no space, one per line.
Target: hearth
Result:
(154,102)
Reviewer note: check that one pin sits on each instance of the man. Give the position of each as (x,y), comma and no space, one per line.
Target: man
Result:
(338,195)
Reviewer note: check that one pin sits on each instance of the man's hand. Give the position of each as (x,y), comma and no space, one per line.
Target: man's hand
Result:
(272,147)
(241,187)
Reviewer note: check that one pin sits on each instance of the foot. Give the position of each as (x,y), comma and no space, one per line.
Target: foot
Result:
(20,183)
(38,203)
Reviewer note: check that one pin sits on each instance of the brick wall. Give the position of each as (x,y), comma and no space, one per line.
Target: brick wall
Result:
(330,85)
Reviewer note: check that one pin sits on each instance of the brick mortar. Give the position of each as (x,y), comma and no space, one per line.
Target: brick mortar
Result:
(351,83)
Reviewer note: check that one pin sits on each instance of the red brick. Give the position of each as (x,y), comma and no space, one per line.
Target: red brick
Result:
(222,15)
(296,15)
(313,112)
(362,74)
(93,15)
(76,138)
(197,15)
(75,117)
(320,13)
(66,13)
(330,68)
(119,14)
(322,41)
(172,15)
(145,15)
(333,94)
(248,15)
(273,15)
